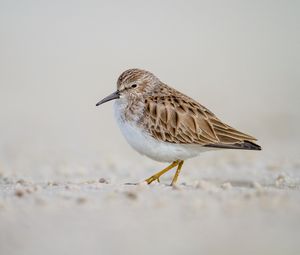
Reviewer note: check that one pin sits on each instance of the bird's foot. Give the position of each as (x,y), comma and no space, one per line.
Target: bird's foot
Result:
(156,176)
(153,178)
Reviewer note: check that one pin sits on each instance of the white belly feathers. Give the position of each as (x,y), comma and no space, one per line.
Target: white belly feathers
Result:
(145,144)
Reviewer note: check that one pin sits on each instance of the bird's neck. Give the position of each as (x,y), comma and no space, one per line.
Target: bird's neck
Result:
(129,109)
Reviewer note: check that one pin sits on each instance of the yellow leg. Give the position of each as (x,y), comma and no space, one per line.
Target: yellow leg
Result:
(177,172)
(157,175)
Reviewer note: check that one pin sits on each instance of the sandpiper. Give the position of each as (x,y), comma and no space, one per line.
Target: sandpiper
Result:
(166,125)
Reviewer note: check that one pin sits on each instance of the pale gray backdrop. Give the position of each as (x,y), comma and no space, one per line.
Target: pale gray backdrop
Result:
(58,58)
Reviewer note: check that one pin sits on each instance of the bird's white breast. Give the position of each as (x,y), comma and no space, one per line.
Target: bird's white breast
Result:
(145,144)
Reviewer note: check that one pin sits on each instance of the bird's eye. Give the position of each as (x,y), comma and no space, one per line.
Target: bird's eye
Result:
(133,85)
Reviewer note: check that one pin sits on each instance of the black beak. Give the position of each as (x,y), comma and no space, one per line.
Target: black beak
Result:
(112,96)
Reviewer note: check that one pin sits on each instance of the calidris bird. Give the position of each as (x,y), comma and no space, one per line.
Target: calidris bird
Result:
(166,125)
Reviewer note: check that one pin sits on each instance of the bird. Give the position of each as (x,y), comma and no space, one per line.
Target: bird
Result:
(166,125)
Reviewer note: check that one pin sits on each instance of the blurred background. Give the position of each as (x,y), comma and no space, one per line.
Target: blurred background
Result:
(58,58)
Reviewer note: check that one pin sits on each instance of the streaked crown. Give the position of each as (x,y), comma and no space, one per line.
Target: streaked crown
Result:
(139,77)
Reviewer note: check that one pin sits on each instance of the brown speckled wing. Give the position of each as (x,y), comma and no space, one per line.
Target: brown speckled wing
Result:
(171,116)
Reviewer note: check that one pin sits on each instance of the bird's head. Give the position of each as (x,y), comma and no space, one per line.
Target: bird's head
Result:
(132,83)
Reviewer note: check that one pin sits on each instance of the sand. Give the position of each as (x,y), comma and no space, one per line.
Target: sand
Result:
(224,203)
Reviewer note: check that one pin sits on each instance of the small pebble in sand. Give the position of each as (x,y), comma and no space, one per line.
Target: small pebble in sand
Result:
(226,185)
(103,180)
(37,187)
(21,181)
(204,185)
(5,180)
(71,187)
(131,195)
(19,192)
(81,200)
(50,183)
(280,180)
(29,190)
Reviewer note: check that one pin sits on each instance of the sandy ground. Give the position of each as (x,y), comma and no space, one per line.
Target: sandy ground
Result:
(224,203)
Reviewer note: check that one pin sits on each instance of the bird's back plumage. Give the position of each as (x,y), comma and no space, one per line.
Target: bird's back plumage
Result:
(173,117)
